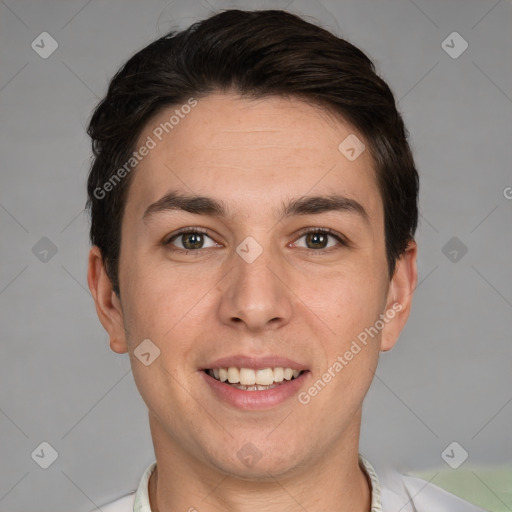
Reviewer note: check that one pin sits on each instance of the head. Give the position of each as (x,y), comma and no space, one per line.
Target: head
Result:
(282,147)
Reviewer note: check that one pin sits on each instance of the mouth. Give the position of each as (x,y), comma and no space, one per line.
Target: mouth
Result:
(250,379)
(252,383)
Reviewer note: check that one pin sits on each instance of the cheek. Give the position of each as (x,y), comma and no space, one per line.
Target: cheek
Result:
(350,308)
(162,299)
(347,301)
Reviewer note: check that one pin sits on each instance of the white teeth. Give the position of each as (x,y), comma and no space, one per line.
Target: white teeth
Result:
(265,377)
(288,373)
(249,378)
(233,375)
(278,374)
(254,388)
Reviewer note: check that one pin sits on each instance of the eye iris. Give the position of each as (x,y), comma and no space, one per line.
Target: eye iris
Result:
(319,240)
(192,240)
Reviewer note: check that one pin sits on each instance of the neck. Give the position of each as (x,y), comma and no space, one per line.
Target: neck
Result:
(335,481)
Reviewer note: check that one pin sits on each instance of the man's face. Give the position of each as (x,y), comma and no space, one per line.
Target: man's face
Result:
(262,285)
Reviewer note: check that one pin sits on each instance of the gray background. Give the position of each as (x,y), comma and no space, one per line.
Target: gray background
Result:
(449,377)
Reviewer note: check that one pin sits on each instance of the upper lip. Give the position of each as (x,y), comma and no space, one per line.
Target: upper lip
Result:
(257,363)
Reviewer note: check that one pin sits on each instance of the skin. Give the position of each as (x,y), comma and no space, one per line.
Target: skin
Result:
(254,155)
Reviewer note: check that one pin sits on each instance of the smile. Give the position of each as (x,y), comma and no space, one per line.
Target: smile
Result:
(249,379)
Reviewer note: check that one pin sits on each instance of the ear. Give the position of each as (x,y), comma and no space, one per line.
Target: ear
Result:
(108,305)
(399,298)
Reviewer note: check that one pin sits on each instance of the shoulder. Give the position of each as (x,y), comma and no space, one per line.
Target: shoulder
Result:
(124,504)
(138,500)
(411,494)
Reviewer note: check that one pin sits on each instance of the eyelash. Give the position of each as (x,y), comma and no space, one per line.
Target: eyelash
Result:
(326,231)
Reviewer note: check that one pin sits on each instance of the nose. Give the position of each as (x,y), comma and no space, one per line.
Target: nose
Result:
(255,295)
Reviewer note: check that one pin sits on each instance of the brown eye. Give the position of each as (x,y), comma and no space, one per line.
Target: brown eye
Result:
(317,240)
(191,240)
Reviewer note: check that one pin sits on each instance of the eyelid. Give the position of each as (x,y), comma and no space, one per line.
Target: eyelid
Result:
(168,239)
(186,230)
(339,237)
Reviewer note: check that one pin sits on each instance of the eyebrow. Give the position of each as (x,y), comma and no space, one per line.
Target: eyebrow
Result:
(306,205)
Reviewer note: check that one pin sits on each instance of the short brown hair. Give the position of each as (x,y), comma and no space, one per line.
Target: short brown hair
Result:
(256,54)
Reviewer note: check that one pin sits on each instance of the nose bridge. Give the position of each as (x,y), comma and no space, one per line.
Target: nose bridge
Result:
(255,294)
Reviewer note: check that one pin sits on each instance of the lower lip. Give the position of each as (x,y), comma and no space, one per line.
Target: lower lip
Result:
(253,400)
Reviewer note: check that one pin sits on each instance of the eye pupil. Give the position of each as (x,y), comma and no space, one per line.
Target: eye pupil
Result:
(192,240)
(319,240)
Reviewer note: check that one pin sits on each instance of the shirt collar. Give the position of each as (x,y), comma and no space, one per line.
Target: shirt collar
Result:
(376,505)
(141,503)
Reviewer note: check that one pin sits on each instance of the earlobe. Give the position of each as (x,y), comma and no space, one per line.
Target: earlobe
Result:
(400,294)
(108,305)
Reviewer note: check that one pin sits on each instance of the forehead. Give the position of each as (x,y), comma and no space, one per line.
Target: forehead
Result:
(243,150)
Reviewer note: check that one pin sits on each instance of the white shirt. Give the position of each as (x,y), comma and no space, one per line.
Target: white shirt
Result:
(394,493)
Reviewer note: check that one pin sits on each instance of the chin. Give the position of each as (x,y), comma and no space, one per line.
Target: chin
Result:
(258,462)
